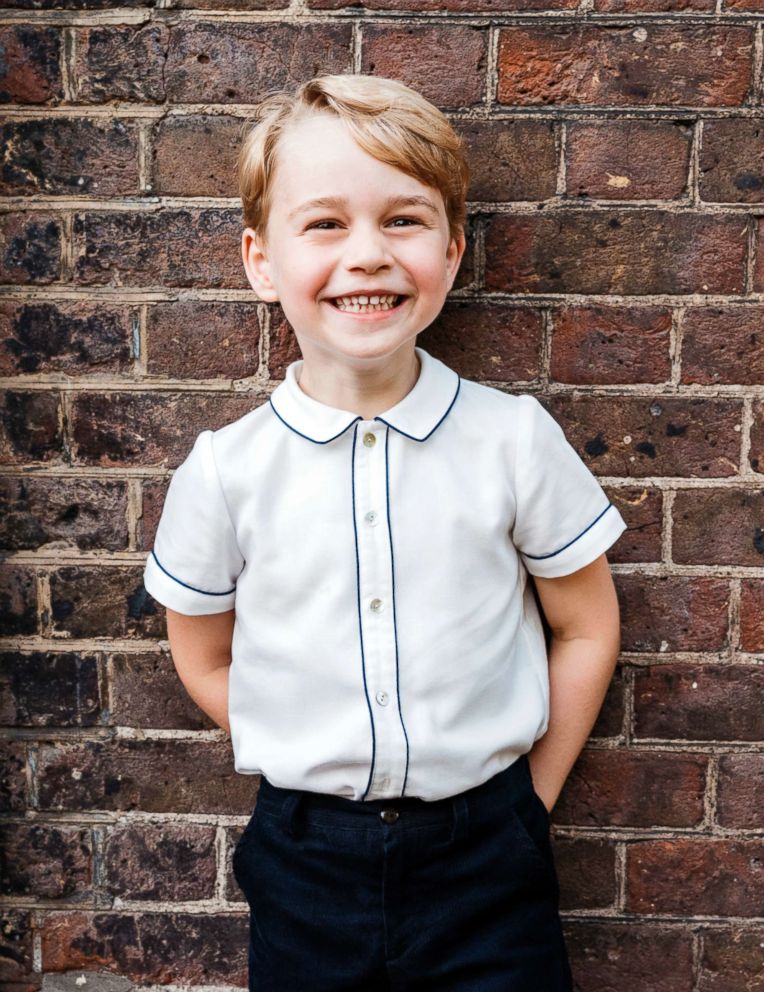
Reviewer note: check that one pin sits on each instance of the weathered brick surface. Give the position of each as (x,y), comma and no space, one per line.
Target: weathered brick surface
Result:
(160,861)
(756,453)
(18,600)
(732,161)
(510,160)
(45,861)
(672,613)
(49,690)
(731,960)
(30,71)
(92,601)
(609,722)
(586,870)
(666,64)
(16,952)
(30,248)
(147,692)
(184,165)
(203,340)
(641,508)
(752,614)
(30,427)
(723,345)
(737,537)
(13,780)
(740,790)
(153,494)
(121,62)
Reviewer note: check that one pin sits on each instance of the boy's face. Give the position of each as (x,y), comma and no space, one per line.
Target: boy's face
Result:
(367,244)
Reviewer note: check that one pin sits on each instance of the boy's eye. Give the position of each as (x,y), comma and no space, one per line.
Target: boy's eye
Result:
(319,223)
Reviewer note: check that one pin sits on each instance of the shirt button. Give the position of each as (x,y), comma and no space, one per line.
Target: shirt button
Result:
(389,815)
(369,439)
(376,605)
(371,518)
(382,698)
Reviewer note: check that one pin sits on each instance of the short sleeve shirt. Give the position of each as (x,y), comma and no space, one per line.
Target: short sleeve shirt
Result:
(386,640)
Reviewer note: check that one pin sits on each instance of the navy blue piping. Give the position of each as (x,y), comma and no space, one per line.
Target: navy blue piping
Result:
(553,553)
(395,626)
(307,437)
(360,622)
(411,436)
(193,588)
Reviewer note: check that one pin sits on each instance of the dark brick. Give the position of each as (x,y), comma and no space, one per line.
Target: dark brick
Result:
(30,243)
(586,870)
(758,275)
(740,791)
(752,614)
(232,62)
(16,953)
(96,601)
(723,344)
(72,512)
(154,493)
(510,160)
(121,62)
(30,427)
(160,861)
(196,340)
(625,788)
(731,960)
(653,6)
(632,955)
(195,155)
(719,527)
(64,337)
(30,64)
(18,600)
(45,861)
(643,436)
(673,612)
(146,692)
(13,781)
(73,4)
(597,345)
(756,454)
(694,877)
(699,702)
(65,156)
(673,65)
(231,890)
(283,344)
(165,948)
(610,718)
(450,64)
(507,347)
(440,6)
(112,429)
(49,690)
(732,161)
(616,160)
(159,248)
(641,509)
(630,252)
(245,5)
(466,275)
(156,776)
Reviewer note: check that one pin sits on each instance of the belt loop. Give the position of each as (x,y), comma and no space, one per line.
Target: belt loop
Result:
(461,818)
(288,816)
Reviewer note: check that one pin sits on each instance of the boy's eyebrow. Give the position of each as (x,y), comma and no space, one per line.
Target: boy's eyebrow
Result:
(414,200)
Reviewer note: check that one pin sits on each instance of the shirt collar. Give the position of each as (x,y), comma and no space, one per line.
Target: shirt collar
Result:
(416,416)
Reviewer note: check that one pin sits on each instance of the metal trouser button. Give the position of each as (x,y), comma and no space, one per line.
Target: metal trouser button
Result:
(389,815)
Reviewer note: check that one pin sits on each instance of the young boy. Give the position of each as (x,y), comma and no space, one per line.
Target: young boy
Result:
(346,575)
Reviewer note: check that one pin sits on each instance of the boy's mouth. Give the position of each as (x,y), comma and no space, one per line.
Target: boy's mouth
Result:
(367,303)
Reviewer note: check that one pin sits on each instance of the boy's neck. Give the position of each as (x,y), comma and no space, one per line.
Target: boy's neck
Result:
(365,393)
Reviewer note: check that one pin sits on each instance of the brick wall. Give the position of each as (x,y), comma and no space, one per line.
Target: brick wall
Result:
(615,269)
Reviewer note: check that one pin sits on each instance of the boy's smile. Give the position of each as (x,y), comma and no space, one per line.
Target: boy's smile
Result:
(357,252)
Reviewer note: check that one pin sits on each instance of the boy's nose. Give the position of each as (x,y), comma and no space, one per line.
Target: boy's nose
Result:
(367,248)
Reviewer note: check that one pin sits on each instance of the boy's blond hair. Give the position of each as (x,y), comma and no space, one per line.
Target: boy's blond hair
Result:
(389,121)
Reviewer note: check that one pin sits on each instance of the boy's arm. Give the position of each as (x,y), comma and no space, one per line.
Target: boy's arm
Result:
(201,651)
(582,611)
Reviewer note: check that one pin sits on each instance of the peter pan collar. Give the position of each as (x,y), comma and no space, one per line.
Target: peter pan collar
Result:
(421,411)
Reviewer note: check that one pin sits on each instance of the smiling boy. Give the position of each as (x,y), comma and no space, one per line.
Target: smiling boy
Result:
(346,575)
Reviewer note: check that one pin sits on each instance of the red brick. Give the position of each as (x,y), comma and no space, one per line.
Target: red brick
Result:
(723,345)
(146,692)
(758,275)
(609,722)
(630,252)
(30,70)
(16,952)
(18,600)
(616,160)
(625,788)
(731,960)
(718,527)
(586,870)
(455,6)
(630,956)
(220,62)
(231,890)
(65,336)
(30,427)
(156,776)
(30,248)
(45,861)
(70,156)
(153,497)
(640,507)
(756,6)
(756,454)
(283,349)
(74,513)
(162,247)
(597,345)
(13,782)
(195,155)
(673,612)
(653,6)
(685,65)
(98,601)
(752,614)
(121,62)
(510,160)
(505,347)
(165,948)
(42,689)
(732,161)
(160,861)
(450,64)
(112,429)
(740,791)
(196,340)
(699,702)
(244,5)
(694,877)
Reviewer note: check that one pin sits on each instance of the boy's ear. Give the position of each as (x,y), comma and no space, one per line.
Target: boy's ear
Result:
(454,255)
(257,266)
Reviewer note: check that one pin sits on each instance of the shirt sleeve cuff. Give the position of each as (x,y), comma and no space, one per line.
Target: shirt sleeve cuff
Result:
(581,550)
(181,596)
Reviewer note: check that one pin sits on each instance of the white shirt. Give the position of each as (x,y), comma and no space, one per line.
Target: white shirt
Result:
(386,639)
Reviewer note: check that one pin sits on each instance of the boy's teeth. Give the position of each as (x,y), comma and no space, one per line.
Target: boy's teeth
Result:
(364,302)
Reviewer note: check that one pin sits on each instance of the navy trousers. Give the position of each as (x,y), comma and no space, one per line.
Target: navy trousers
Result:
(455,895)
